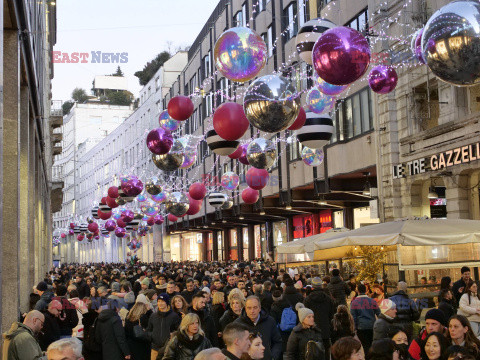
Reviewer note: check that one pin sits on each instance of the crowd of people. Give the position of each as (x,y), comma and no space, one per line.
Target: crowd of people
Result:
(238,311)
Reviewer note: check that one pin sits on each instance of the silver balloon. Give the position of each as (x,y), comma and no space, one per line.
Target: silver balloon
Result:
(451,43)
(177,203)
(227,205)
(271,103)
(172,160)
(153,186)
(261,153)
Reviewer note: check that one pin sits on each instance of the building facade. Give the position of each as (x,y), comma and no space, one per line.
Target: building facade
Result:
(29,138)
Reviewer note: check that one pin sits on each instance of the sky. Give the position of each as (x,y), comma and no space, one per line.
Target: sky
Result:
(141,28)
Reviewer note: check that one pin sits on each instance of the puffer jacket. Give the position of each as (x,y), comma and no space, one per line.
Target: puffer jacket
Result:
(228,317)
(339,290)
(468,307)
(160,326)
(180,347)
(45,299)
(20,343)
(381,327)
(298,339)
(323,308)
(407,310)
(110,333)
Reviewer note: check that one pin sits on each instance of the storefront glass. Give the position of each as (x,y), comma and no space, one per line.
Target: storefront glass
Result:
(258,242)
(220,245)
(245,243)
(233,244)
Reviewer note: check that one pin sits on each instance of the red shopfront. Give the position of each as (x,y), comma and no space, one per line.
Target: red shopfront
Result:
(308,225)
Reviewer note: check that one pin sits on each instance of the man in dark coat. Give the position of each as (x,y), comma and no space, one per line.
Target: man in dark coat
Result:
(258,320)
(364,311)
(407,310)
(82,287)
(110,333)
(45,296)
(206,320)
(459,286)
(68,318)
(323,308)
(189,291)
(338,288)
(51,329)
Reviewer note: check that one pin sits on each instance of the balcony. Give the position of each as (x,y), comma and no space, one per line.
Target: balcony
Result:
(56,137)
(57,150)
(56,114)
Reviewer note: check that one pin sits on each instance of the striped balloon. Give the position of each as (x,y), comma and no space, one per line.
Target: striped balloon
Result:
(308,35)
(83,227)
(104,208)
(217,199)
(76,230)
(221,146)
(317,131)
(95,212)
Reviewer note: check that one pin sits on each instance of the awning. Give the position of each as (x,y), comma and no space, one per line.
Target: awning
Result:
(307,244)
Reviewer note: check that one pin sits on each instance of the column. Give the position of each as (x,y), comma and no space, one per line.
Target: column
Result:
(240,243)
(348,218)
(289,229)
(269,239)
(458,206)
(226,244)
(205,246)
(215,246)
(251,241)
(10,179)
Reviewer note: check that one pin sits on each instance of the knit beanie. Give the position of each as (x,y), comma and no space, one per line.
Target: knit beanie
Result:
(42,286)
(164,297)
(317,282)
(386,305)
(302,311)
(145,281)
(436,314)
(277,295)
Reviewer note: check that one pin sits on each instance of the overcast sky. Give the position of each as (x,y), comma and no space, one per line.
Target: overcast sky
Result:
(141,28)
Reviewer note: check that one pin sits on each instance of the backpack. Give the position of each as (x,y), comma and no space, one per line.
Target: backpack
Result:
(90,342)
(288,319)
(315,350)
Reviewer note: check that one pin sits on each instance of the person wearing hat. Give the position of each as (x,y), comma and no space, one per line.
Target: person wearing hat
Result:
(434,322)
(305,331)
(161,324)
(385,320)
(138,315)
(45,296)
(407,310)
(323,308)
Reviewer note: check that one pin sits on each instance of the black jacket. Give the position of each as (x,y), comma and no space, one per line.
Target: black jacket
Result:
(83,289)
(217,312)
(277,309)
(297,342)
(407,310)
(140,348)
(160,326)
(457,285)
(228,317)
(267,301)
(339,290)
(207,324)
(323,308)
(110,333)
(266,325)
(292,295)
(69,315)
(188,295)
(447,307)
(50,331)
(180,347)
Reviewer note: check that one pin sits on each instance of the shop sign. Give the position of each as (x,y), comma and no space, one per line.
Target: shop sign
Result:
(460,155)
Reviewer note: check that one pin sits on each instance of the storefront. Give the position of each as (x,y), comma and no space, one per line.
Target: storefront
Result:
(186,246)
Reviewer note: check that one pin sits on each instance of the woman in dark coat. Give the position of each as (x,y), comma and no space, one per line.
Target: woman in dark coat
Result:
(301,334)
(138,315)
(218,308)
(235,310)
(188,341)
(110,333)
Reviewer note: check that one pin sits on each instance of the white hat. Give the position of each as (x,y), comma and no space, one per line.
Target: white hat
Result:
(386,305)
(206,289)
(142,299)
(302,311)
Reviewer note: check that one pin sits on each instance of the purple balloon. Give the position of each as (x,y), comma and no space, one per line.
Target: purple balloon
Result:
(243,159)
(158,219)
(341,55)
(127,215)
(159,141)
(132,187)
(120,232)
(70,232)
(417,45)
(382,79)
(110,225)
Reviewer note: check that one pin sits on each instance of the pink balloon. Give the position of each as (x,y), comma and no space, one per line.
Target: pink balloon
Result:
(257,179)
(93,227)
(63,235)
(195,205)
(230,122)
(382,79)
(300,121)
(127,215)
(172,218)
(159,141)
(243,158)
(120,232)
(80,237)
(70,232)
(197,191)
(132,187)
(113,192)
(151,221)
(104,215)
(110,225)
(237,153)
(159,219)
(250,196)
(121,223)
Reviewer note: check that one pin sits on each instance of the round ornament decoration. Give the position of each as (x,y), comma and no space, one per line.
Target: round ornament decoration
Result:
(220,146)
(110,225)
(257,179)
(63,235)
(76,230)
(195,206)
(150,208)
(142,198)
(180,108)
(116,214)
(103,208)
(308,35)
(83,227)
(261,153)
(382,79)
(328,89)
(95,212)
(190,152)
(132,187)
(240,54)
(312,157)
(271,103)
(167,123)
(104,215)
(159,141)
(120,232)
(92,227)
(230,180)
(121,223)
(158,219)
(150,221)
(71,232)
(450,43)
(237,153)
(153,186)
(177,203)
(111,202)
(341,55)
(230,122)
(171,161)
(227,204)
(172,218)
(217,199)
(318,102)
(416,45)
(243,158)
(197,191)
(128,215)
(160,198)
(317,131)
(300,121)
(120,201)
(80,237)
(250,196)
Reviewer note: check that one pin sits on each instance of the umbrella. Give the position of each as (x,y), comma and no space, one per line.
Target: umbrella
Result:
(307,244)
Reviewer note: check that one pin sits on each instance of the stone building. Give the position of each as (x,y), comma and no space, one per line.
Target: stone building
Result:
(29,135)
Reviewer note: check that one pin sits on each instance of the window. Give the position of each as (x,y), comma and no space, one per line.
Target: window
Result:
(290,25)
(207,69)
(270,41)
(262,4)
(238,19)
(359,22)
(295,149)
(302,12)
(157,83)
(245,14)
(354,116)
